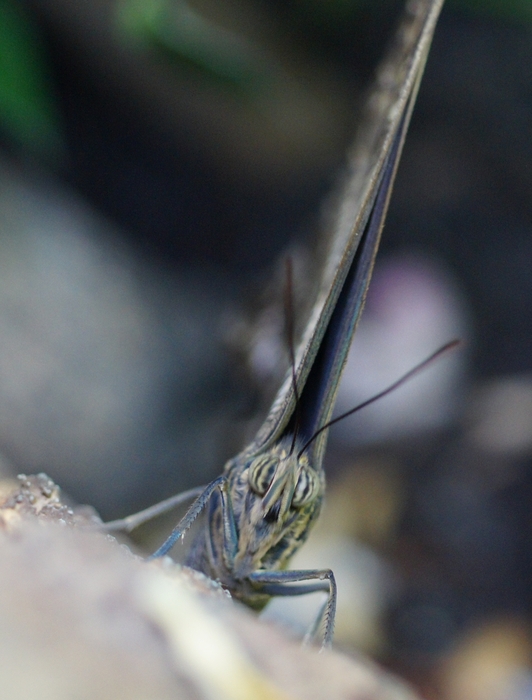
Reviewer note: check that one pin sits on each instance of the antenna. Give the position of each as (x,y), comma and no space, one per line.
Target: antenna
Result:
(422,365)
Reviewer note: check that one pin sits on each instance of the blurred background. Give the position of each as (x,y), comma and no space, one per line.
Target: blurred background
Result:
(156,159)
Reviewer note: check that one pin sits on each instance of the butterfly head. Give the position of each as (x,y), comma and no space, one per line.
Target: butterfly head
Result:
(284,494)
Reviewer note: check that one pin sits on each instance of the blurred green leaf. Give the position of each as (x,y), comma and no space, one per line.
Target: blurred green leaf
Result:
(520,10)
(28,112)
(181,34)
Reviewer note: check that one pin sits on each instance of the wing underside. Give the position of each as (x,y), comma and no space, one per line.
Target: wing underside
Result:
(352,236)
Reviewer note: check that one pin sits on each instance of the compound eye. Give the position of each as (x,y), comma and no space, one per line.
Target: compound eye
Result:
(307,488)
(261,473)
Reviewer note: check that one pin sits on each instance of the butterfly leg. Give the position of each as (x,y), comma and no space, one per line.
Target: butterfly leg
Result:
(133,521)
(192,513)
(221,541)
(274,583)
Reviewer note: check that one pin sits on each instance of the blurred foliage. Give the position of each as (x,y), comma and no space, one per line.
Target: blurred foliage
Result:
(520,10)
(28,112)
(179,33)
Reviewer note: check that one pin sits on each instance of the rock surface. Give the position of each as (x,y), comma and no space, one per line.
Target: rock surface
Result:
(81,616)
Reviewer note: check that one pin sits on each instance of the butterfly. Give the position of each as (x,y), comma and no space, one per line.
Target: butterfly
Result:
(262,507)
